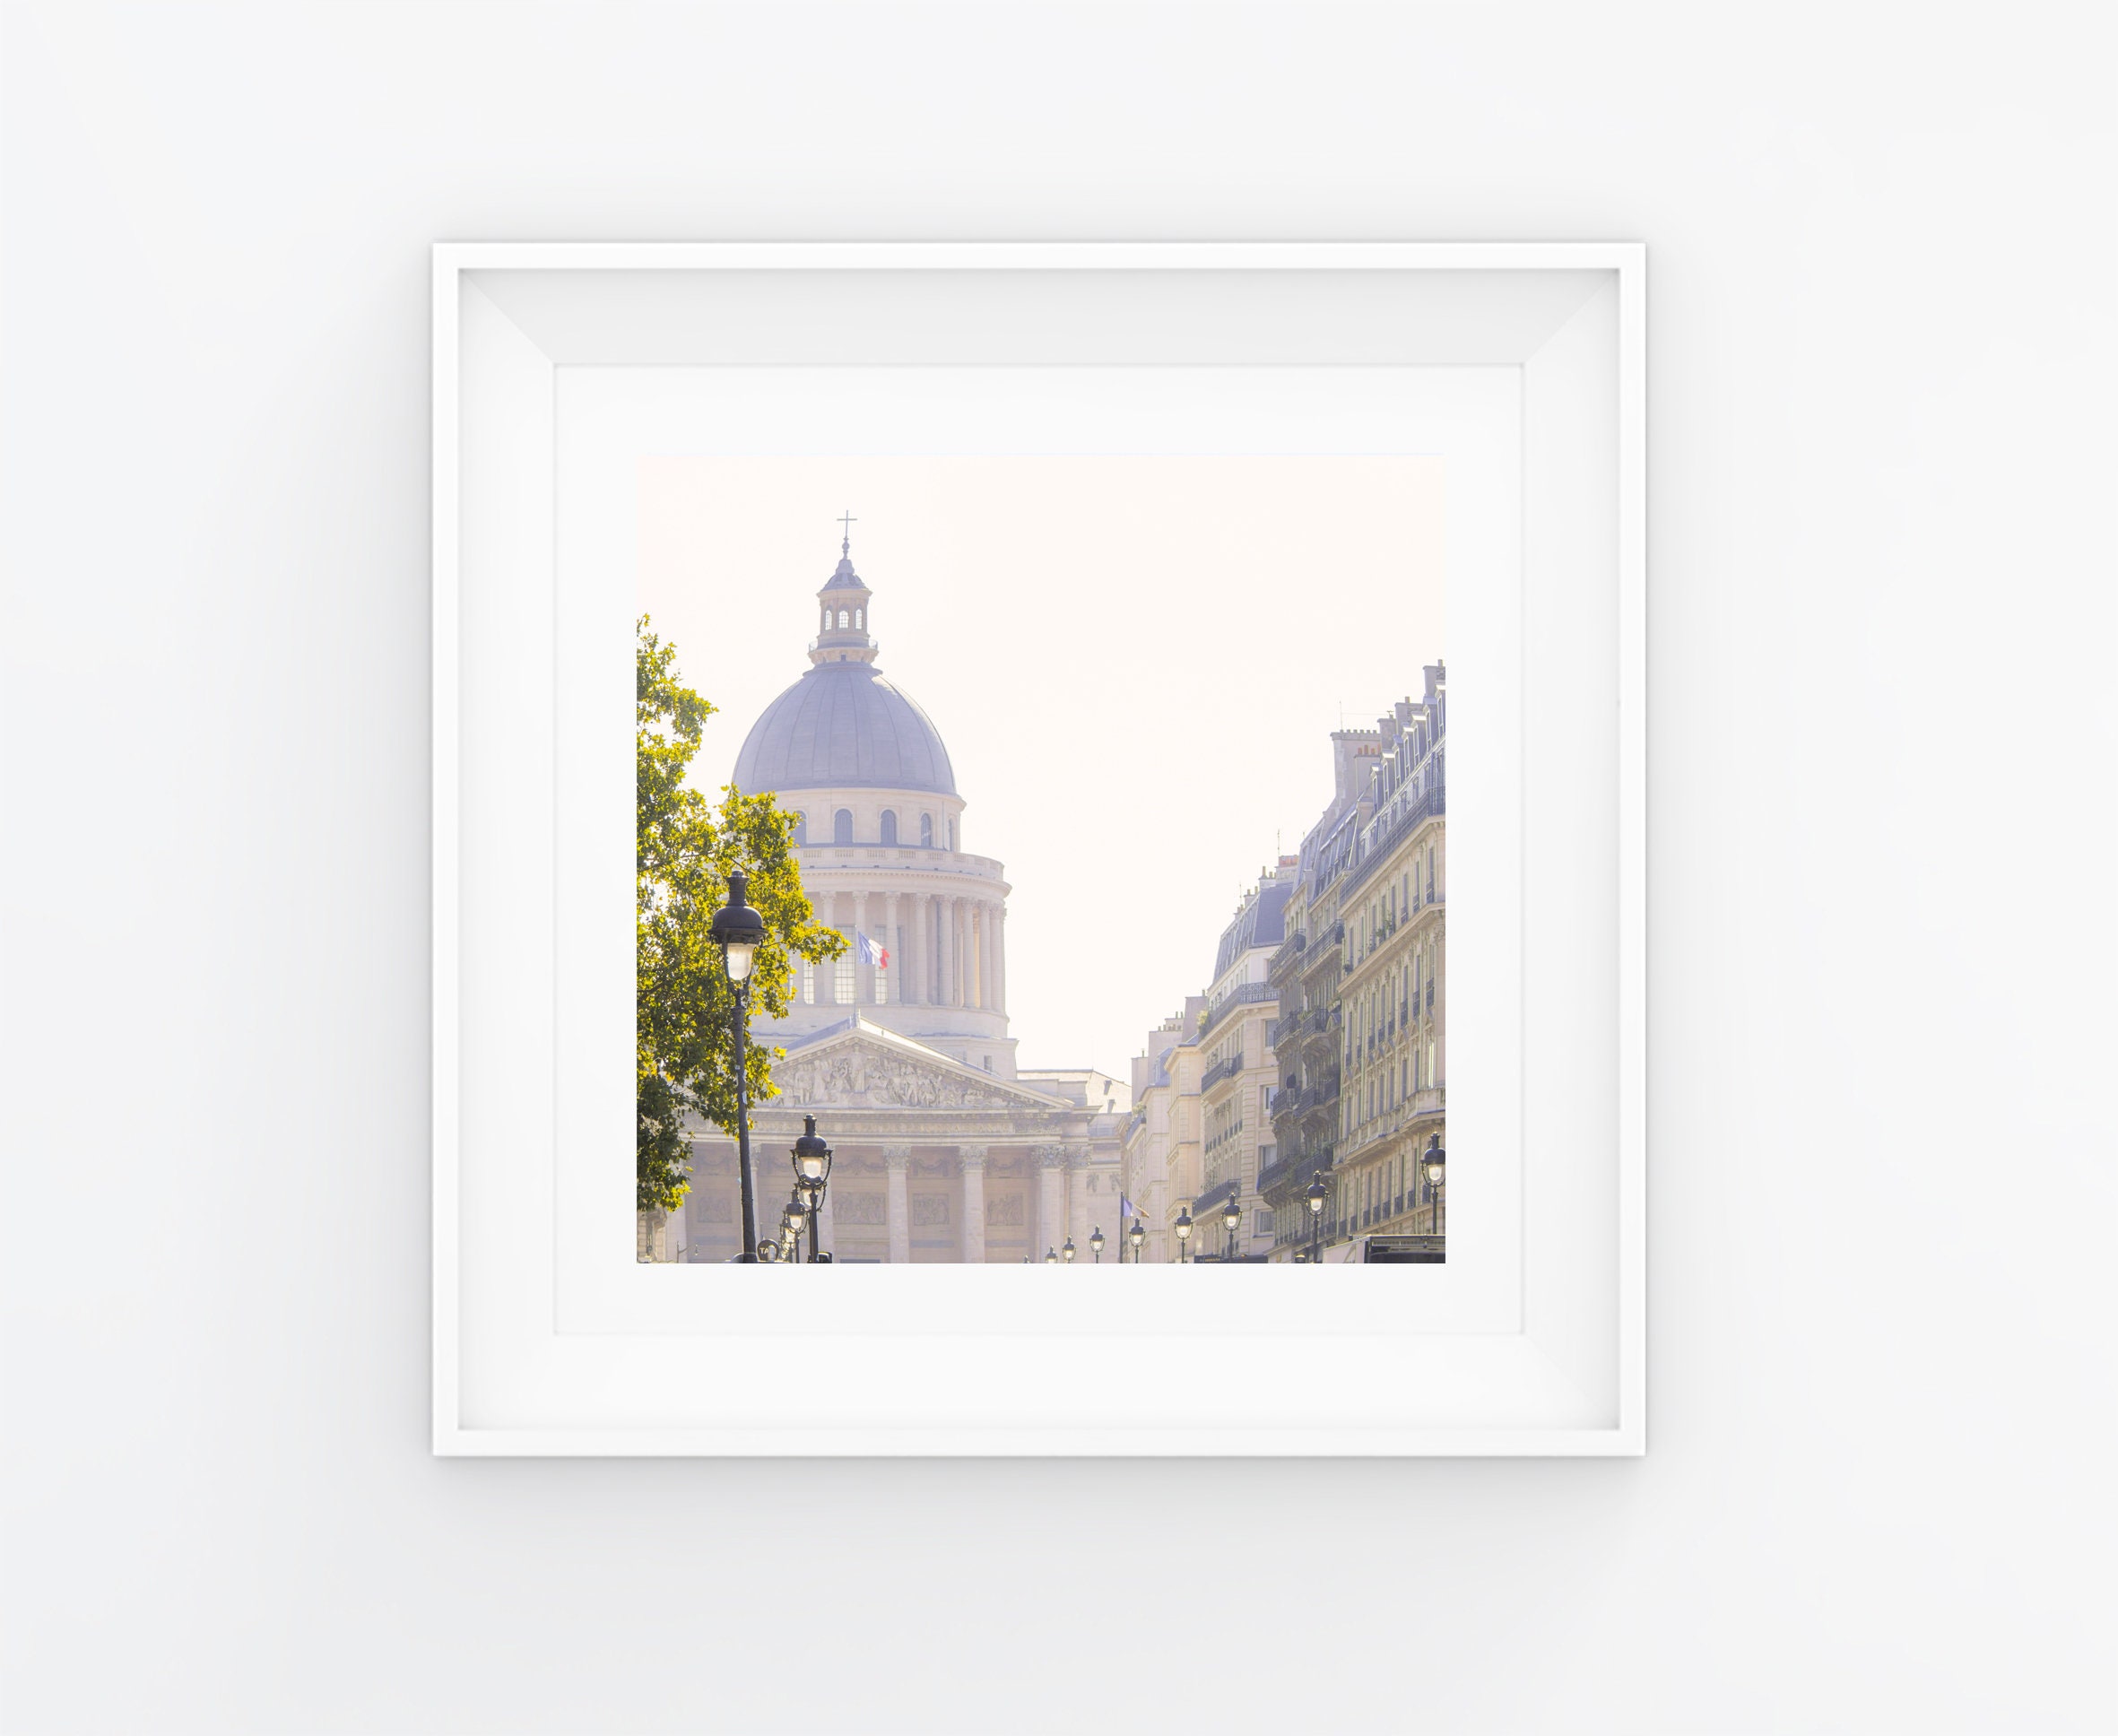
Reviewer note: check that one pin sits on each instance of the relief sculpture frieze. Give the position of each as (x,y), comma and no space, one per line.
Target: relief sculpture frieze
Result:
(864,1074)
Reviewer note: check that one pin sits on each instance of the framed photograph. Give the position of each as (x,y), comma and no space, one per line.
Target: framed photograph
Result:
(1137,762)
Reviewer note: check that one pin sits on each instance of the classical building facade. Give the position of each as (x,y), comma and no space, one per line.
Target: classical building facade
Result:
(1241,1069)
(1160,1145)
(946,1149)
(1202,1086)
(1364,1049)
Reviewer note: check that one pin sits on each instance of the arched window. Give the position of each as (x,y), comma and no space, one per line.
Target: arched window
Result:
(926,832)
(842,617)
(856,616)
(889,825)
(842,826)
(800,826)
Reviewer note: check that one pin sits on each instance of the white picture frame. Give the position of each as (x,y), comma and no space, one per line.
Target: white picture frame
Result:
(1547,1359)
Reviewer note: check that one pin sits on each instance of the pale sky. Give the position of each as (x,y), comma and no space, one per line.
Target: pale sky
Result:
(1135,663)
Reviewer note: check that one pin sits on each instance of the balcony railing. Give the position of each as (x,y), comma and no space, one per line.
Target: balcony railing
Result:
(1220,1071)
(1435,802)
(1297,1166)
(1247,995)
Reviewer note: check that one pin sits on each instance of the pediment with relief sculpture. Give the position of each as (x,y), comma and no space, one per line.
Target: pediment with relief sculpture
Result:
(869,1068)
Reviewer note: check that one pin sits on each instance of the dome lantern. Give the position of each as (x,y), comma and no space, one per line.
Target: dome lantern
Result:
(843,634)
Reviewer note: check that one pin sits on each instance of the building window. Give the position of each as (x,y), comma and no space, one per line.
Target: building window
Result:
(842,983)
(800,826)
(842,617)
(856,617)
(842,826)
(809,981)
(881,986)
(889,825)
(988,1060)
(926,832)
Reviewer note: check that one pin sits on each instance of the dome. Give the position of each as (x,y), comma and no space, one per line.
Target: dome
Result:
(842,725)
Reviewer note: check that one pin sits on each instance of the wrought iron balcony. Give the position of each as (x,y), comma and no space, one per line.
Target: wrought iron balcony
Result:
(1247,995)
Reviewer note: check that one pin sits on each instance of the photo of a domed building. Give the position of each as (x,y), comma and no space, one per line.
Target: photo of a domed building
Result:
(1177,766)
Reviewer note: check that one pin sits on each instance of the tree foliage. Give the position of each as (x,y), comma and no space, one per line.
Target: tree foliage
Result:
(687,845)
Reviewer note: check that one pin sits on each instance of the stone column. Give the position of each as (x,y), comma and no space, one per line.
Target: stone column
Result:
(973,1159)
(900,1160)
(893,946)
(1051,1206)
(989,955)
(864,976)
(945,946)
(922,937)
(965,957)
(980,953)
(1000,958)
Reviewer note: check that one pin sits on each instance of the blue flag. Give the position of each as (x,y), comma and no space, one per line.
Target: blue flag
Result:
(1126,1208)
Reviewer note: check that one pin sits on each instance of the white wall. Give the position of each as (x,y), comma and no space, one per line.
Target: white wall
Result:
(1882,853)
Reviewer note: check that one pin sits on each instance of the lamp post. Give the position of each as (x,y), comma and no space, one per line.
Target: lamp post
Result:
(790,1227)
(1434,1160)
(739,931)
(1136,1235)
(1095,1243)
(1315,1198)
(1066,1251)
(1231,1215)
(1051,1256)
(1183,1232)
(813,1175)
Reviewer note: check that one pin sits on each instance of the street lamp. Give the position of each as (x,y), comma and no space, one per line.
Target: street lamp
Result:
(1066,1252)
(1315,1198)
(1231,1215)
(790,1227)
(1051,1256)
(1435,1162)
(813,1175)
(1095,1243)
(739,931)
(1136,1235)
(1183,1231)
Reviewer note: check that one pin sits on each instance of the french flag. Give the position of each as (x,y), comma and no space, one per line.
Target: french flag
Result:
(868,952)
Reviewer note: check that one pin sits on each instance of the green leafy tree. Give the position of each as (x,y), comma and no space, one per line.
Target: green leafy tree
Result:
(687,845)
